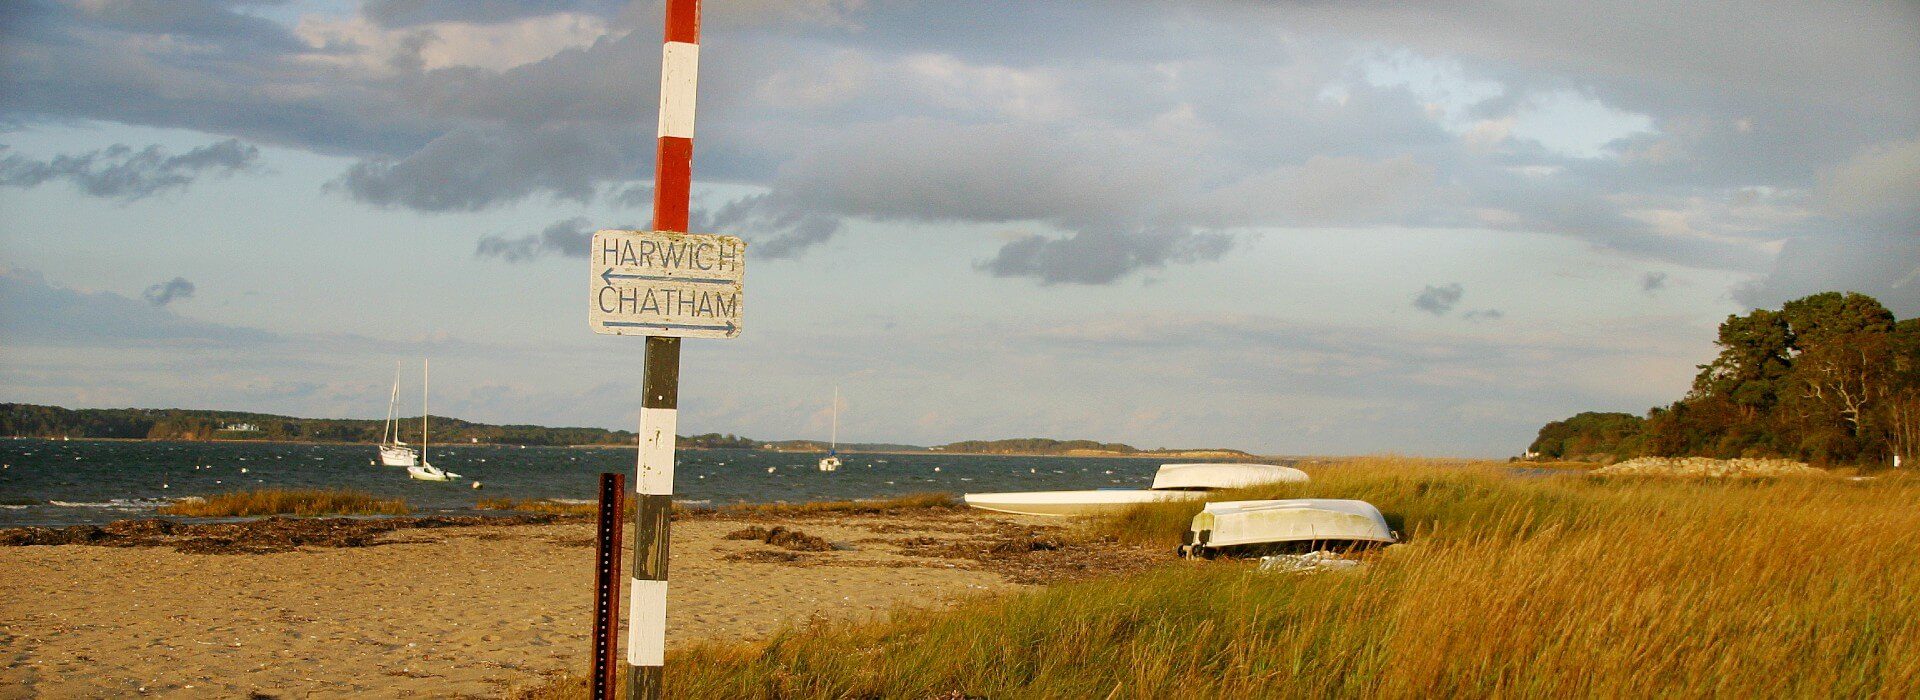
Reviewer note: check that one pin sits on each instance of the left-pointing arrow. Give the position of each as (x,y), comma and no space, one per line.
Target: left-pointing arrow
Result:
(608,276)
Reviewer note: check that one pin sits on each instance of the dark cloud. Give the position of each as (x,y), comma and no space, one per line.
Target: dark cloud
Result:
(1653,281)
(473,169)
(633,197)
(1484,315)
(1886,267)
(36,312)
(570,238)
(1132,140)
(404,13)
(214,21)
(917,170)
(120,172)
(774,233)
(132,62)
(1439,300)
(1100,257)
(167,292)
(1866,238)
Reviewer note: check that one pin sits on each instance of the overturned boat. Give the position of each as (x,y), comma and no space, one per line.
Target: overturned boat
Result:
(1173,482)
(1289,525)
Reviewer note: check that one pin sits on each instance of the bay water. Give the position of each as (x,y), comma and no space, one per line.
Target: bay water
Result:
(68,482)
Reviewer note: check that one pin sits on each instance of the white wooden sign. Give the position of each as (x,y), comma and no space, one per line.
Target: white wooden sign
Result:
(665,283)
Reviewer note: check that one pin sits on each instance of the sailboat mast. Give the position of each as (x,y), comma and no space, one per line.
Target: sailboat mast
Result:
(423,411)
(833,441)
(387,434)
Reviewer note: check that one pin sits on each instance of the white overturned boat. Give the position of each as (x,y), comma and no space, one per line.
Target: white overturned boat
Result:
(1174,482)
(1289,524)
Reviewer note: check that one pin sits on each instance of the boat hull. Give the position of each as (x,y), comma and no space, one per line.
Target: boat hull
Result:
(429,472)
(1231,525)
(398,456)
(1224,476)
(1074,503)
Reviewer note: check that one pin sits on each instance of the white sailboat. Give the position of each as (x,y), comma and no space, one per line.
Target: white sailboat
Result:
(425,471)
(831,462)
(393,452)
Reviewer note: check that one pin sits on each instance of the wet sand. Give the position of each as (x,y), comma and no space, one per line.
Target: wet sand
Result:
(467,611)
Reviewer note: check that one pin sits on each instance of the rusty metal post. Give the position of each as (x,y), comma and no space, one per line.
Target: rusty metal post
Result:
(606,598)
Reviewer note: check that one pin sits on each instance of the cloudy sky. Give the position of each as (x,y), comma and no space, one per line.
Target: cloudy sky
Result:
(1291,227)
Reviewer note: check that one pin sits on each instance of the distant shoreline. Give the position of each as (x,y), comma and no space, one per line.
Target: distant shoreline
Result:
(1081,454)
(199,425)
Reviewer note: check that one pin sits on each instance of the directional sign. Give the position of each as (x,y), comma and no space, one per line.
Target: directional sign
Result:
(665,283)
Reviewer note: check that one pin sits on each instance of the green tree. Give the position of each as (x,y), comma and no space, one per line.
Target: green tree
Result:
(1592,435)
(1756,351)
(1831,377)
(1817,319)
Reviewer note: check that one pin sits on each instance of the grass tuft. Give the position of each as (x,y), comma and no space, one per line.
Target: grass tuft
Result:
(286,502)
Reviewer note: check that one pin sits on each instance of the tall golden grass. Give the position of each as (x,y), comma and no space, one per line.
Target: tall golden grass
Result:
(287,502)
(1556,586)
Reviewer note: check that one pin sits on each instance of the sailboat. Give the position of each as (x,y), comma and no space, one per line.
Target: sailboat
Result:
(425,471)
(393,452)
(831,462)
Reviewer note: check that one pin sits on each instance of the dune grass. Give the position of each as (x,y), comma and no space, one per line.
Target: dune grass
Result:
(909,502)
(286,502)
(1556,586)
(540,505)
(1414,494)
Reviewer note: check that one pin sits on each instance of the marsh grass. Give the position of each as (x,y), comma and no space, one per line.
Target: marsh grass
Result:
(909,502)
(540,505)
(1557,586)
(286,502)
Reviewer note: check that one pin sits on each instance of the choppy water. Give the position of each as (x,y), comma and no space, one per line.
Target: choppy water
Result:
(48,482)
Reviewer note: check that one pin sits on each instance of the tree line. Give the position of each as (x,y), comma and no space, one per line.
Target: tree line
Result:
(1831,378)
(29,420)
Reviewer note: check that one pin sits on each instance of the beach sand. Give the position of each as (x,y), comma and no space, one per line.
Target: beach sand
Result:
(459,612)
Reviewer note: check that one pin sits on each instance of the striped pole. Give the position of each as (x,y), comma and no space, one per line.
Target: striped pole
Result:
(659,412)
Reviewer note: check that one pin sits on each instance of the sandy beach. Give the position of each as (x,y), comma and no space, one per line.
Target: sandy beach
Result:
(467,611)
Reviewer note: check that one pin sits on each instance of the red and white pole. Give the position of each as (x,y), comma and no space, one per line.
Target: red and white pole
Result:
(659,417)
(679,75)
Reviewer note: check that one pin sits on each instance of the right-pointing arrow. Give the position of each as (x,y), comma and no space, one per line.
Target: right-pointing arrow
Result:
(728,326)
